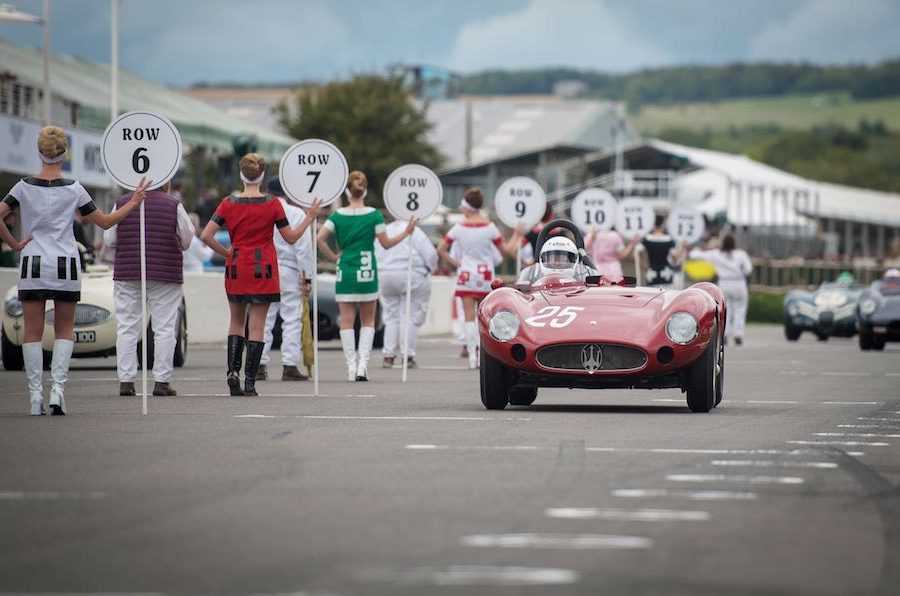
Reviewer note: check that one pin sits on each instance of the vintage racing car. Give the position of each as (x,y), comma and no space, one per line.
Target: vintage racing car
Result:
(879,312)
(95,324)
(571,328)
(829,310)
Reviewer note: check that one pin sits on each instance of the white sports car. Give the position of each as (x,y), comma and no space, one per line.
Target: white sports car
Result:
(95,324)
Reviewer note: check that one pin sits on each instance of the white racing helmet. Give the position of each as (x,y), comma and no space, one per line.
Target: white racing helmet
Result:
(558,254)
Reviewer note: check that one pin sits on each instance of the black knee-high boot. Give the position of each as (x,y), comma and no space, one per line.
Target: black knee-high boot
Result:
(254,354)
(235,354)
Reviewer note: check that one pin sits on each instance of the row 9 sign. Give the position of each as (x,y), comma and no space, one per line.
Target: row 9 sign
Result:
(520,200)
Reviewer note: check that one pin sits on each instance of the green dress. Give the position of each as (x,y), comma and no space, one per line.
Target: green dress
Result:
(357,272)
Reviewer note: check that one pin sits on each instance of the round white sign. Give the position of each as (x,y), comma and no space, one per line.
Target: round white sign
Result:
(313,169)
(413,191)
(686,225)
(141,145)
(594,208)
(520,200)
(635,217)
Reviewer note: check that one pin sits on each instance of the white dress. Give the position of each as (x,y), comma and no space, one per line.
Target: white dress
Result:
(477,244)
(50,267)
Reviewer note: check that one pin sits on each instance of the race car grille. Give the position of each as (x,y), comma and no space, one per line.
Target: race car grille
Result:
(572,357)
(85,315)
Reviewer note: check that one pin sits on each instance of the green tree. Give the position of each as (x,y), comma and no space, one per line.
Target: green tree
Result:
(371,119)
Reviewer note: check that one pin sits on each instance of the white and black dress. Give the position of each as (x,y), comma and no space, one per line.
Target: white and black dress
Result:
(50,265)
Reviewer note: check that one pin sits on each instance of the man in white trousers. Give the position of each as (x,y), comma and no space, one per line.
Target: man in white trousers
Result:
(292,260)
(392,268)
(168,232)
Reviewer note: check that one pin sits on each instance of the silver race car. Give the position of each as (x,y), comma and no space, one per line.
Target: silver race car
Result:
(878,315)
(829,310)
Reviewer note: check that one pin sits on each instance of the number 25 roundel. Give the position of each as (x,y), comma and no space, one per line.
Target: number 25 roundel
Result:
(559,316)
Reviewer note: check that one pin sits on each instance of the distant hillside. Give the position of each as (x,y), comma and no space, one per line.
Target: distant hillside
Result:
(790,111)
(697,83)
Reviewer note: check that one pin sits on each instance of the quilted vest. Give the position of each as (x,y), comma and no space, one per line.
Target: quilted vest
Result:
(164,256)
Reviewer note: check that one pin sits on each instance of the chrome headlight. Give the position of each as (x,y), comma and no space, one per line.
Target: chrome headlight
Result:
(792,309)
(504,325)
(86,315)
(682,328)
(867,306)
(13,307)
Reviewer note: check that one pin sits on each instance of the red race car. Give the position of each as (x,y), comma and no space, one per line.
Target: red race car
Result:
(561,325)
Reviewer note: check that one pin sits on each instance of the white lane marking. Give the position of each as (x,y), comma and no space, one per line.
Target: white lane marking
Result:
(852,403)
(49,495)
(556,541)
(644,515)
(749,463)
(878,419)
(734,478)
(414,447)
(864,435)
(835,373)
(660,450)
(785,402)
(868,426)
(890,374)
(842,443)
(312,417)
(475,575)
(279,395)
(692,495)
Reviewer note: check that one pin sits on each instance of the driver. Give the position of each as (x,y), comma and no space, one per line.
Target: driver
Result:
(559,256)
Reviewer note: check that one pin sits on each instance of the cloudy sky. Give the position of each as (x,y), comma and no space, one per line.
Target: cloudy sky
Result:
(180,42)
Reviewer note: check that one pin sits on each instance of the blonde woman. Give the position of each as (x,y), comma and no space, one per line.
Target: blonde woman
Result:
(251,268)
(476,239)
(50,267)
(355,228)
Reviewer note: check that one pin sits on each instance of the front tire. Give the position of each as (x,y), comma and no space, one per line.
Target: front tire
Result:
(522,396)
(13,359)
(720,381)
(494,383)
(865,341)
(792,333)
(702,377)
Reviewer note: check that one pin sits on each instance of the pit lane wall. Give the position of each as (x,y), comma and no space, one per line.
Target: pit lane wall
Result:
(207,308)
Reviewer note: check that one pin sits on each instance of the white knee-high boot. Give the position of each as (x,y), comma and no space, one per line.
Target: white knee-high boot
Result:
(59,369)
(348,342)
(472,342)
(366,339)
(33,355)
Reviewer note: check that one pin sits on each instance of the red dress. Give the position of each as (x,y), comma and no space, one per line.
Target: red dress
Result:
(251,272)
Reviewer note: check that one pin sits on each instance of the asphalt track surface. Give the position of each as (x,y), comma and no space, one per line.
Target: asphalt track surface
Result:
(789,487)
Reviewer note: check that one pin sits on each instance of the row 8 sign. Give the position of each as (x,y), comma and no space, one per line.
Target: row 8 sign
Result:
(413,191)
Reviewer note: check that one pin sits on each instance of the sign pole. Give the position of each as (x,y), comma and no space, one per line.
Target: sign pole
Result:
(315,313)
(143,225)
(519,259)
(405,327)
(637,264)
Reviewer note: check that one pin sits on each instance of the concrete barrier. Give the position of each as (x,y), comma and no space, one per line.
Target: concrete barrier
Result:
(207,307)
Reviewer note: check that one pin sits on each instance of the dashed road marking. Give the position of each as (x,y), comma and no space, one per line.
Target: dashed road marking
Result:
(643,515)
(783,402)
(868,426)
(734,478)
(835,373)
(842,443)
(50,495)
(863,435)
(658,450)
(432,418)
(870,419)
(692,495)
(556,541)
(747,463)
(474,575)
